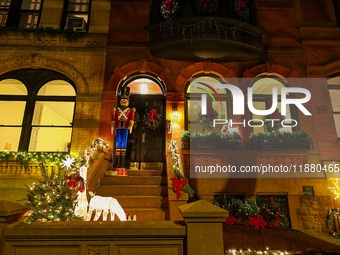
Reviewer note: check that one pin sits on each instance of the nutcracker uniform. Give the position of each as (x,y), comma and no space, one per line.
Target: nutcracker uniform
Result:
(122,120)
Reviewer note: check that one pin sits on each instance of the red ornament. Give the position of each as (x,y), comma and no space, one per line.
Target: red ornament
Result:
(230,220)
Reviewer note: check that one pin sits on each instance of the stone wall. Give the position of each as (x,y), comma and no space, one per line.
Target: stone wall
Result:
(313,213)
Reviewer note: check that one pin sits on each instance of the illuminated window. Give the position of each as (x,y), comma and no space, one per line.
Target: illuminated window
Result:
(193,103)
(77,14)
(4,9)
(20,13)
(334,92)
(144,86)
(262,100)
(39,113)
(13,97)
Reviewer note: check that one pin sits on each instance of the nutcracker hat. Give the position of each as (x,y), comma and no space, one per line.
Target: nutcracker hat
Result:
(125,93)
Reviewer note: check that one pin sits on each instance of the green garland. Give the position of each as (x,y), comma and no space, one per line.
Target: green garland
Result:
(268,252)
(68,33)
(330,216)
(176,166)
(42,158)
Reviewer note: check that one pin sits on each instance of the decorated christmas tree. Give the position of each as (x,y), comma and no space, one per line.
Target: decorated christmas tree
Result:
(53,198)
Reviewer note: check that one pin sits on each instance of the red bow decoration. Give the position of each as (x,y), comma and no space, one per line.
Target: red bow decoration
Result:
(168,5)
(77,182)
(230,220)
(258,222)
(241,6)
(205,2)
(152,115)
(178,183)
(277,114)
(271,200)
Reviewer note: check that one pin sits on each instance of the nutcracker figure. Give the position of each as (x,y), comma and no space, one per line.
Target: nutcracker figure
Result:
(122,120)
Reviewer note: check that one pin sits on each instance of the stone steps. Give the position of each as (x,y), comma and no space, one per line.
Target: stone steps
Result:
(146,173)
(143,193)
(142,201)
(131,190)
(133,180)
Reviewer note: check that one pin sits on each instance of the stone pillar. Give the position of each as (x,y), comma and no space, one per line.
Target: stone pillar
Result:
(9,212)
(204,228)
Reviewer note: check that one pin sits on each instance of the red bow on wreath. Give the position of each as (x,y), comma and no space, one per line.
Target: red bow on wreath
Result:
(277,114)
(168,5)
(258,222)
(77,182)
(230,220)
(152,115)
(241,6)
(205,2)
(178,184)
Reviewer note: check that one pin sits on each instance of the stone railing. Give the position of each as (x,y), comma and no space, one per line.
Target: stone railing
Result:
(13,169)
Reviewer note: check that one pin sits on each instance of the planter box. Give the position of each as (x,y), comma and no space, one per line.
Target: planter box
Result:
(210,143)
(282,144)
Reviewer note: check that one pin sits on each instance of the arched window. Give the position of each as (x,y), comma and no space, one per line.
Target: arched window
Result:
(201,85)
(334,92)
(262,100)
(39,111)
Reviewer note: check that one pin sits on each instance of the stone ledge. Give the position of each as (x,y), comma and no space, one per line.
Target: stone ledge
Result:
(95,230)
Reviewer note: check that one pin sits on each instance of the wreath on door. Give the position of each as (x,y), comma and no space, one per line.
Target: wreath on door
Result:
(152,119)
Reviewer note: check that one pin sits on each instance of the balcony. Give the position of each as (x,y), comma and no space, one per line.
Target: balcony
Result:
(221,35)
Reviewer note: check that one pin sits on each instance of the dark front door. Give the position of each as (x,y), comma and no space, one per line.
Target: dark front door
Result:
(147,145)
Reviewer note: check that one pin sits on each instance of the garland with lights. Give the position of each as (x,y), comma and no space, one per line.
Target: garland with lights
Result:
(336,186)
(41,157)
(198,29)
(169,8)
(152,119)
(179,180)
(267,252)
(92,152)
(206,7)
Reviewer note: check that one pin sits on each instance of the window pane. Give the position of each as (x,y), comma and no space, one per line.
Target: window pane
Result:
(29,20)
(53,113)
(9,138)
(194,108)
(30,5)
(265,86)
(50,139)
(78,8)
(57,88)
(335,98)
(145,86)
(12,87)
(337,123)
(195,86)
(334,81)
(13,114)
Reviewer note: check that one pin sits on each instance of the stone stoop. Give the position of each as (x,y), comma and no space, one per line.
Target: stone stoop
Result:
(143,193)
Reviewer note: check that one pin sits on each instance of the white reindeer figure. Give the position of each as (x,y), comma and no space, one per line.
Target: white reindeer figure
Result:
(229,129)
(105,204)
